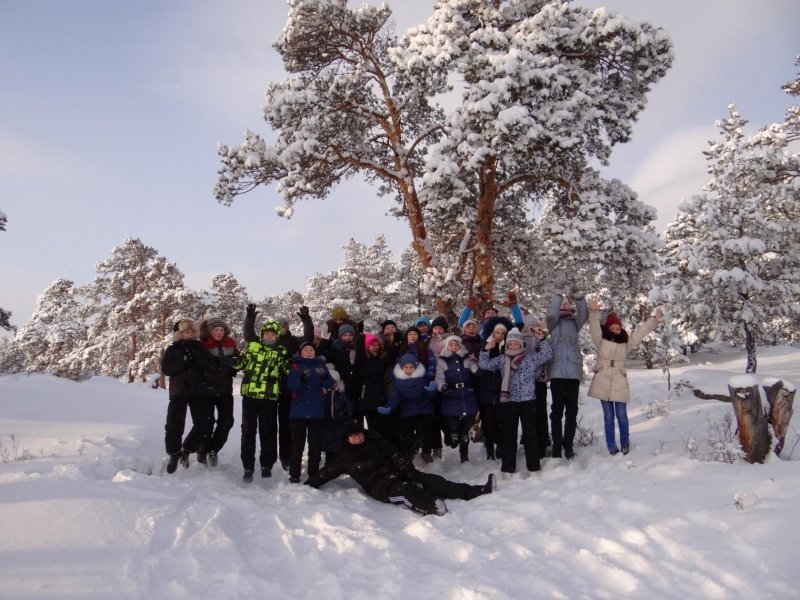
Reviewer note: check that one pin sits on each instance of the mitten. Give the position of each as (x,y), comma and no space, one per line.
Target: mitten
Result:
(304,376)
(431,387)
(384,410)
(444,388)
(360,327)
(472,302)
(512,300)
(320,371)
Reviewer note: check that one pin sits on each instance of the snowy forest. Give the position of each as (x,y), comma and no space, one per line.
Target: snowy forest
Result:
(487,125)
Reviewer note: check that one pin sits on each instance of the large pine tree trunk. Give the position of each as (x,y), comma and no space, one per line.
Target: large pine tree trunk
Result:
(484,258)
(753,431)
(781,399)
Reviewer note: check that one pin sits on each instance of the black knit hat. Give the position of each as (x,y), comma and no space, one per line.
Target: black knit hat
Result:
(351,426)
(388,322)
(441,321)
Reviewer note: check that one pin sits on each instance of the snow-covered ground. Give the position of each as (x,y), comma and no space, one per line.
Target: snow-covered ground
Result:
(87,511)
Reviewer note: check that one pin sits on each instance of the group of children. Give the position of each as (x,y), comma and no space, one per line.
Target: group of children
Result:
(419,389)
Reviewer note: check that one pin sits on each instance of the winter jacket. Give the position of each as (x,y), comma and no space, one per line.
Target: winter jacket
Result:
(372,376)
(374,465)
(263,367)
(307,381)
(522,387)
(343,357)
(567,360)
(186,362)
(409,395)
(610,381)
(455,379)
(223,355)
(489,382)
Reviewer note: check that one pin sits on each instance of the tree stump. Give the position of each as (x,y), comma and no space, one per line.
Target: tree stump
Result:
(750,417)
(781,398)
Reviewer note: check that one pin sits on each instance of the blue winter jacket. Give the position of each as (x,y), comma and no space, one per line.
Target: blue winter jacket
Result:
(567,360)
(457,373)
(409,395)
(308,379)
(522,387)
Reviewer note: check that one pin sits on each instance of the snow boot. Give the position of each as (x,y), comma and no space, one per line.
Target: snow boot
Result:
(248,477)
(490,485)
(202,458)
(172,463)
(266,472)
(490,452)
(626,448)
(213,459)
(183,459)
(569,453)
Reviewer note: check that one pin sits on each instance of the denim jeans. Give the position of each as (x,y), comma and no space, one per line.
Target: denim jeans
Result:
(620,409)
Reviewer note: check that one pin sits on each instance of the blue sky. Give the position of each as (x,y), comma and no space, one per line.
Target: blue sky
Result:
(111,112)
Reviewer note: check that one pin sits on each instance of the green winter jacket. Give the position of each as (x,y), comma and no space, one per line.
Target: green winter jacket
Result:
(262,368)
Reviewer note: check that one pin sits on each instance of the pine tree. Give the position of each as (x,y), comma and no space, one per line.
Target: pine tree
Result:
(743,273)
(5,316)
(547,88)
(51,341)
(132,305)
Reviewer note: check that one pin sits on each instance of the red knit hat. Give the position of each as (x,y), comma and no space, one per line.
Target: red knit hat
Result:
(612,319)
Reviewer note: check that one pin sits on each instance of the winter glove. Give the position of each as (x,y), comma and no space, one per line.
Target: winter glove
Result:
(444,388)
(431,387)
(251,311)
(305,375)
(303,313)
(320,371)
(360,327)
(512,300)
(384,410)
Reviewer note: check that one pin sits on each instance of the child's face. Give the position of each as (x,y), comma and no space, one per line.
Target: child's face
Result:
(499,335)
(269,337)
(409,369)
(375,347)
(437,330)
(412,337)
(514,345)
(217,333)
(453,346)
(188,334)
(470,329)
(346,337)
(308,352)
(389,329)
(423,328)
(615,329)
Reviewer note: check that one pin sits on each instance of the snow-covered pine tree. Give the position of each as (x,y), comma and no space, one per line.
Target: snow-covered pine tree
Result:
(51,340)
(598,241)
(229,300)
(407,295)
(359,284)
(547,87)
(131,308)
(745,264)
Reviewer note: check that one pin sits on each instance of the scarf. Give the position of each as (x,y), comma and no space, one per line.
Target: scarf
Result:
(513,360)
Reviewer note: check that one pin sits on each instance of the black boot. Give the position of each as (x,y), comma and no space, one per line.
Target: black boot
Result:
(201,457)
(248,477)
(266,472)
(172,464)
(183,459)
(463,451)
(490,452)
(569,453)
(490,485)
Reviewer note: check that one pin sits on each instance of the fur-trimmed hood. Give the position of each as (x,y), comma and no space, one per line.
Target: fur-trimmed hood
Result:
(399,374)
(446,351)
